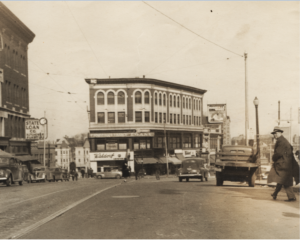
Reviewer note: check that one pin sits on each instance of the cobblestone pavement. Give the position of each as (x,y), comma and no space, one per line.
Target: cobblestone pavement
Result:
(22,206)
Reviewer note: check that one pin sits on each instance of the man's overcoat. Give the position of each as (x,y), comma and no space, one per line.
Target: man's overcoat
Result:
(282,169)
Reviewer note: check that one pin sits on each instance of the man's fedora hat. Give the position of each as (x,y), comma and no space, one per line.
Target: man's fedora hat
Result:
(276,129)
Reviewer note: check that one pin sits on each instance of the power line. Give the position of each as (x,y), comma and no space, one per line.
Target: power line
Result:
(85,38)
(192,30)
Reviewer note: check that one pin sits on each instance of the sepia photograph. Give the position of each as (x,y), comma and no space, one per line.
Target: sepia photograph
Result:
(149,120)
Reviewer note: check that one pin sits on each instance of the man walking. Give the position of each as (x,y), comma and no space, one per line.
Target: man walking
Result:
(282,169)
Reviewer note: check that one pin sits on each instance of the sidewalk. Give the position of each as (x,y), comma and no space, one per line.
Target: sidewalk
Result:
(296,188)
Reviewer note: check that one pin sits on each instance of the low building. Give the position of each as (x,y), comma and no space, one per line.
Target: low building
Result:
(82,156)
(62,153)
(38,149)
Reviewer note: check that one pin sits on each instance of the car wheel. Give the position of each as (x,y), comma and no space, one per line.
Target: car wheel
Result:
(251,182)
(219,179)
(21,183)
(99,177)
(8,181)
(187,179)
(118,177)
(180,179)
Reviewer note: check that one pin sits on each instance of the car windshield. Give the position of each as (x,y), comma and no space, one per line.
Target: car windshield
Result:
(189,163)
(4,160)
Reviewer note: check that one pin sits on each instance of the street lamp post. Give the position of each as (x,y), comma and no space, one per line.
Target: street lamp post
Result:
(166,150)
(256,102)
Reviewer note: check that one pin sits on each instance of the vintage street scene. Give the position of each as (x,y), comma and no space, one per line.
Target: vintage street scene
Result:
(149,120)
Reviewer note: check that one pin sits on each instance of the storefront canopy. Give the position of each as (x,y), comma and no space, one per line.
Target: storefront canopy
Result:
(174,160)
(27,158)
(180,156)
(5,154)
(149,160)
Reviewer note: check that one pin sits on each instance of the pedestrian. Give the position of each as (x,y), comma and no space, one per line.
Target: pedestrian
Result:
(282,168)
(136,169)
(82,173)
(129,171)
(125,170)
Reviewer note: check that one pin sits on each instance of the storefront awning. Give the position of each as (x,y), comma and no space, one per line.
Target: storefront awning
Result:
(180,156)
(27,158)
(174,160)
(149,160)
(5,154)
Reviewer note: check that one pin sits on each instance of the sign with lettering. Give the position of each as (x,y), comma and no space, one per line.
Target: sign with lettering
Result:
(33,130)
(216,113)
(98,156)
(136,134)
(189,153)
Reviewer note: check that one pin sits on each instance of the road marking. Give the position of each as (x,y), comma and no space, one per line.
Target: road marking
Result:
(125,196)
(54,215)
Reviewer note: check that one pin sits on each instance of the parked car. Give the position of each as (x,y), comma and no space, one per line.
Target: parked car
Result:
(55,174)
(11,171)
(193,168)
(109,172)
(38,174)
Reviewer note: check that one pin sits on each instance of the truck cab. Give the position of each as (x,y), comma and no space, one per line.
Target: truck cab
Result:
(236,163)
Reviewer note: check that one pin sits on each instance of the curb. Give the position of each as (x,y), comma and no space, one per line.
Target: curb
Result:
(55,215)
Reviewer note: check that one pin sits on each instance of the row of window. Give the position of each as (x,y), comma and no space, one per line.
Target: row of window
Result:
(14,59)
(160,100)
(62,152)
(15,94)
(14,127)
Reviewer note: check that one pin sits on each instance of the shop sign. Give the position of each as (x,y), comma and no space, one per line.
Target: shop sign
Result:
(189,153)
(98,156)
(216,113)
(33,129)
(136,134)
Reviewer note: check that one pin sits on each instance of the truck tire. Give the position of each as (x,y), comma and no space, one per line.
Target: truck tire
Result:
(8,181)
(21,183)
(187,179)
(252,179)
(219,179)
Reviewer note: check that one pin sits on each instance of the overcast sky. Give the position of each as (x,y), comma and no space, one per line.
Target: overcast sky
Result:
(77,40)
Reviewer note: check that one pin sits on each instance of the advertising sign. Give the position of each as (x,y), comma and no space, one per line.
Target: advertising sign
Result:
(33,130)
(189,153)
(136,134)
(98,156)
(216,113)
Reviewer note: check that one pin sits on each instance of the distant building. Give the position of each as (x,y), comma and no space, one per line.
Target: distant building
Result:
(37,150)
(62,153)
(15,37)
(82,156)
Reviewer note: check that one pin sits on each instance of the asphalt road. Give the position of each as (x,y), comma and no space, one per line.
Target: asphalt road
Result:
(151,209)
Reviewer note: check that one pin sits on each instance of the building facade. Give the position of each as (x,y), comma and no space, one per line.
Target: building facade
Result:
(82,156)
(62,153)
(133,115)
(37,150)
(14,96)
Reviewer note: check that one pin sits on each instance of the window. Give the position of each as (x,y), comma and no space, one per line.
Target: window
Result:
(178,103)
(147,116)
(155,98)
(171,116)
(111,144)
(199,105)
(178,118)
(156,117)
(159,99)
(174,101)
(111,117)
(170,101)
(187,141)
(123,144)
(194,120)
(164,99)
(194,105)
(146,100)
(190,104)
(110,98)
(183,102)
(138,116)
(141,143)
(174,118)
(175,142)
(138,97)
(190,122)
(196,141)
(160,117)
(121,117)
(183,119)
(159,142)
(165,118)
(121,98)
(101,117)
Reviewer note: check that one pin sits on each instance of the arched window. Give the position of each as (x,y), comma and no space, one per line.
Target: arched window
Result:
(194,104)
(138,97)
(155,98)
(146,100)
(187,103)
(171,101)
(178,103)
(121,98)
(174,101)
(190,107)
(164,99)
(159,99)
(183,102)
(110,98)
(199,105)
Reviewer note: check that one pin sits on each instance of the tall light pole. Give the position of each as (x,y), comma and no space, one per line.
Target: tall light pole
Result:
(246,101)
(256,102)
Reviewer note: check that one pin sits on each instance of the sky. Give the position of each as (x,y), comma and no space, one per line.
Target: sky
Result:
(197,43)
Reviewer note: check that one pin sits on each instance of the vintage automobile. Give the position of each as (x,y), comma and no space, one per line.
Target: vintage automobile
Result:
(236,163)
(38,174)
(11,171)
(109,172)
(193,168)
(55,174)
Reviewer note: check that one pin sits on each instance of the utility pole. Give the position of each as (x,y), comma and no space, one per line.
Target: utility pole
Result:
(44,139)
(166,148)
(246,101)
(278,113)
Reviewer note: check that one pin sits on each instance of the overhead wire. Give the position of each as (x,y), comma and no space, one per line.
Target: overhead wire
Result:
(192,30)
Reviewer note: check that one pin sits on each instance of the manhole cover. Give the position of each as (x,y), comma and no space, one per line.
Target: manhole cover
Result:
(125,196)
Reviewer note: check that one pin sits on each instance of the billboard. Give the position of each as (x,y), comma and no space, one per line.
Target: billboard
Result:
(33,129)
(217,113)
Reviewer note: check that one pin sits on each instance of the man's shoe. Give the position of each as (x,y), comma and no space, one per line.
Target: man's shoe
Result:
(291,200)
(274,196)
